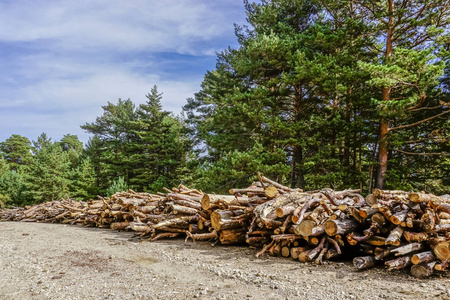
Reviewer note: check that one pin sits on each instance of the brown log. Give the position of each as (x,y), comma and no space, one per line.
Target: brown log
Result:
(305,207)
(394,237)
(422,257)
(443,227)
(376,241)
(366,212)
(441,266)
(408,248)
(275,250)
(341,227)
(364,262)
(285,251)
(164,235)
(399,217)
(256,241)
(381,253)
(423,270)
(263,211)
(232,236)
(387,194)
(444,207)
(119,225)
(420,197)
(335,244)
(442,250)
(304,228)
(378,218)
(185,203)
(313,241)
(398,263)
(252,190)
(310,255)
(208,200)
(295,251)
(331,252)
(183,221)
(221,220)
(289,237)
(428,221)
(271,192)
(193,228)
(371,199)
(266,247)
(321,254)
(201,236)
(183,209)
(415,236)
(284,211)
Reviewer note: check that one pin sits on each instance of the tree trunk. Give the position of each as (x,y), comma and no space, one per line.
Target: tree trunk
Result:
(386,96)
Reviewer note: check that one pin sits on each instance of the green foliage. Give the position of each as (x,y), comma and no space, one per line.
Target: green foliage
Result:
(49,175)
(240,169)
(118,185)
(306,81)
(145,146)
(16,150)
(302,99)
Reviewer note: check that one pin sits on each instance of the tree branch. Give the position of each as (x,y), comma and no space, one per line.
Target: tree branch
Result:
(420,122)
(421,153)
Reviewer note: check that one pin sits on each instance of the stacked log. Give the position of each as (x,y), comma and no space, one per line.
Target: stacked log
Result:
(397,229)
(115,212)
(308,226)
(407,230)
(228,217)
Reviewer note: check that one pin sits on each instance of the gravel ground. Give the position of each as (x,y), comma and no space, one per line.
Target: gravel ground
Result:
(53,261)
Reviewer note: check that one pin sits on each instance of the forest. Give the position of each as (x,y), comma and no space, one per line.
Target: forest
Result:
(339,94)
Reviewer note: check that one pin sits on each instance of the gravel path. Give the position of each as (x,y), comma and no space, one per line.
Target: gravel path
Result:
(53,261)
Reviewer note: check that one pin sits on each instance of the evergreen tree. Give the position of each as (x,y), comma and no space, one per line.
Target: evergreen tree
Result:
(159,151)
(16,150)
(409,63)
(113,130)
(49,177)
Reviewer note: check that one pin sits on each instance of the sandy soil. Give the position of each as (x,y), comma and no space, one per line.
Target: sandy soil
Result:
(52,261)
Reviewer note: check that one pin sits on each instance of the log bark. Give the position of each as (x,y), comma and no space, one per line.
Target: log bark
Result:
(442,250)
(232,236)
(398,263)
(408,248)
(423,270)
(340,227)
(422,257)
(394,237)
(364,262)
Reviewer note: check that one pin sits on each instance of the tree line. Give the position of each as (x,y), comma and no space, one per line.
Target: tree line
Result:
(318,94)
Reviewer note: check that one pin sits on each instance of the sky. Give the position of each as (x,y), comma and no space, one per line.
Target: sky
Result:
(60,61)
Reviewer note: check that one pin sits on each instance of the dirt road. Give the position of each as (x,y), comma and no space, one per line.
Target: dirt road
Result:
(52,261)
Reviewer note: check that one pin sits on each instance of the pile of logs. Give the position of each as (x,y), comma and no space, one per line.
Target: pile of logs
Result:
(396,228)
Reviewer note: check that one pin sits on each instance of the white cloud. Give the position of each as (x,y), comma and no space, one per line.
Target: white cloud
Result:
(125,25)
(63,60)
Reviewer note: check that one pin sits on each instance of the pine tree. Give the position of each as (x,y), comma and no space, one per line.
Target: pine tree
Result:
(160,148)
(113,130)
(49,177)
(409,62)
(16,150)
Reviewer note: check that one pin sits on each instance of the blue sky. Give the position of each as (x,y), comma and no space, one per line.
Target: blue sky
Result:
(60,61)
